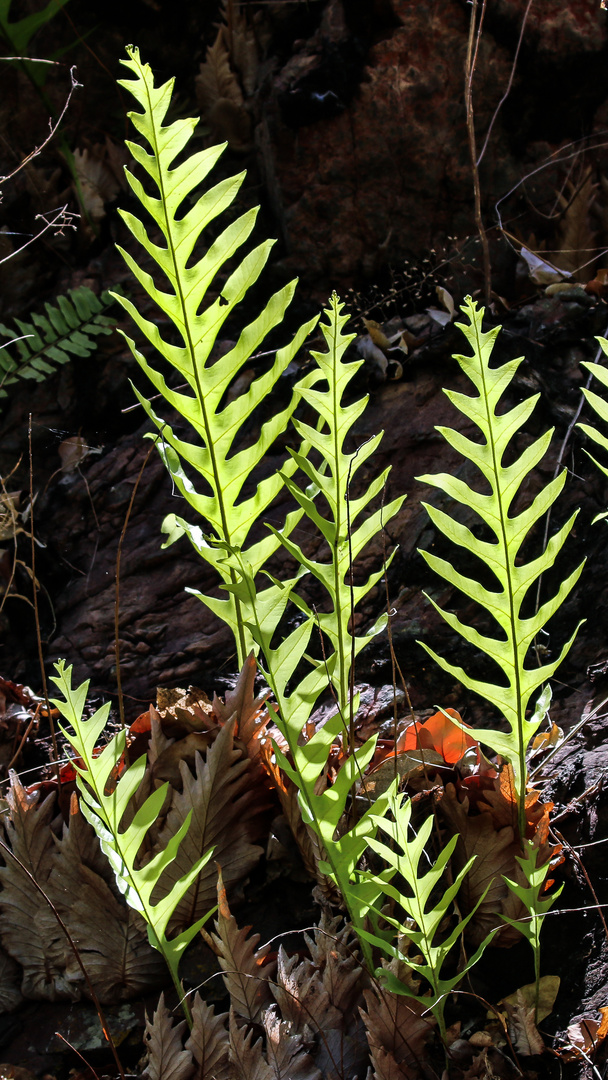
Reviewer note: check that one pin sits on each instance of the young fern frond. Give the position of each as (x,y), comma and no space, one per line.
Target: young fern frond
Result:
(502,554)
(104,801)
(419,895)
(530,895)
(68,329)
(324,810)
(187,272)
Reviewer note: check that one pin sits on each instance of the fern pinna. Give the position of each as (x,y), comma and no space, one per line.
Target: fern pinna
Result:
(502,555)
(181,208)
(69,328)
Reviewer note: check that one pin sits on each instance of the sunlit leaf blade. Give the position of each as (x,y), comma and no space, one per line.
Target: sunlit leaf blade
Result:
(600,408)
(181,279)
(326,502)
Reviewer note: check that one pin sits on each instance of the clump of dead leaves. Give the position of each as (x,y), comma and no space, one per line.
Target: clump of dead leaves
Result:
(311,1018)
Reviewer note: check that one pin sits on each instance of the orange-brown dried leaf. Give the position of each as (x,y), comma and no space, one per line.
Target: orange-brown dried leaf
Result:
(246,972)
(495,851)
(252,717)
(440,734)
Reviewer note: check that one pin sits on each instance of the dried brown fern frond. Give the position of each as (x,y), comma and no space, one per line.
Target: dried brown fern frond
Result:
(112,938)
(220,97)
(321,996)
(167,1058)
(77,879)
(246,972)
(398,1029)
(209,1042)
(29,931)
(242,45)
(227,814)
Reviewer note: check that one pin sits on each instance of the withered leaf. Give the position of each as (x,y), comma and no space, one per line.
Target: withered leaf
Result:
(284,1052)
(10,981)
(209,1042)
(30,932)
(575,237)
(320,998)
(245,973)
(523,1031)
(251,716)
(397,1031)
(547,990)
(225,812)
(496,851)
(587,1033)
(97,181)
(167,1059)
(112,938)
(242,46)
(220,97)
(112,941)
(246,1056)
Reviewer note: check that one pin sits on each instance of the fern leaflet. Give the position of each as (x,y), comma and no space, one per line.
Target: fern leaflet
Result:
(68,329)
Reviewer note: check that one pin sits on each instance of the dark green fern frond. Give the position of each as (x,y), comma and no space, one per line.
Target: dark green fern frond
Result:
(36,348)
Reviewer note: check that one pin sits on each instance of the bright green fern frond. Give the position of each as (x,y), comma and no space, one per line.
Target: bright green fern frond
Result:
(333,478)
(181,207)
(69,329)
(104,800)
(509,649)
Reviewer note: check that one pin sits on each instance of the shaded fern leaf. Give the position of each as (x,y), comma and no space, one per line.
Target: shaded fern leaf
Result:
(69,328)
(600,408)
(104,800)
(187,268)
(501,554)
